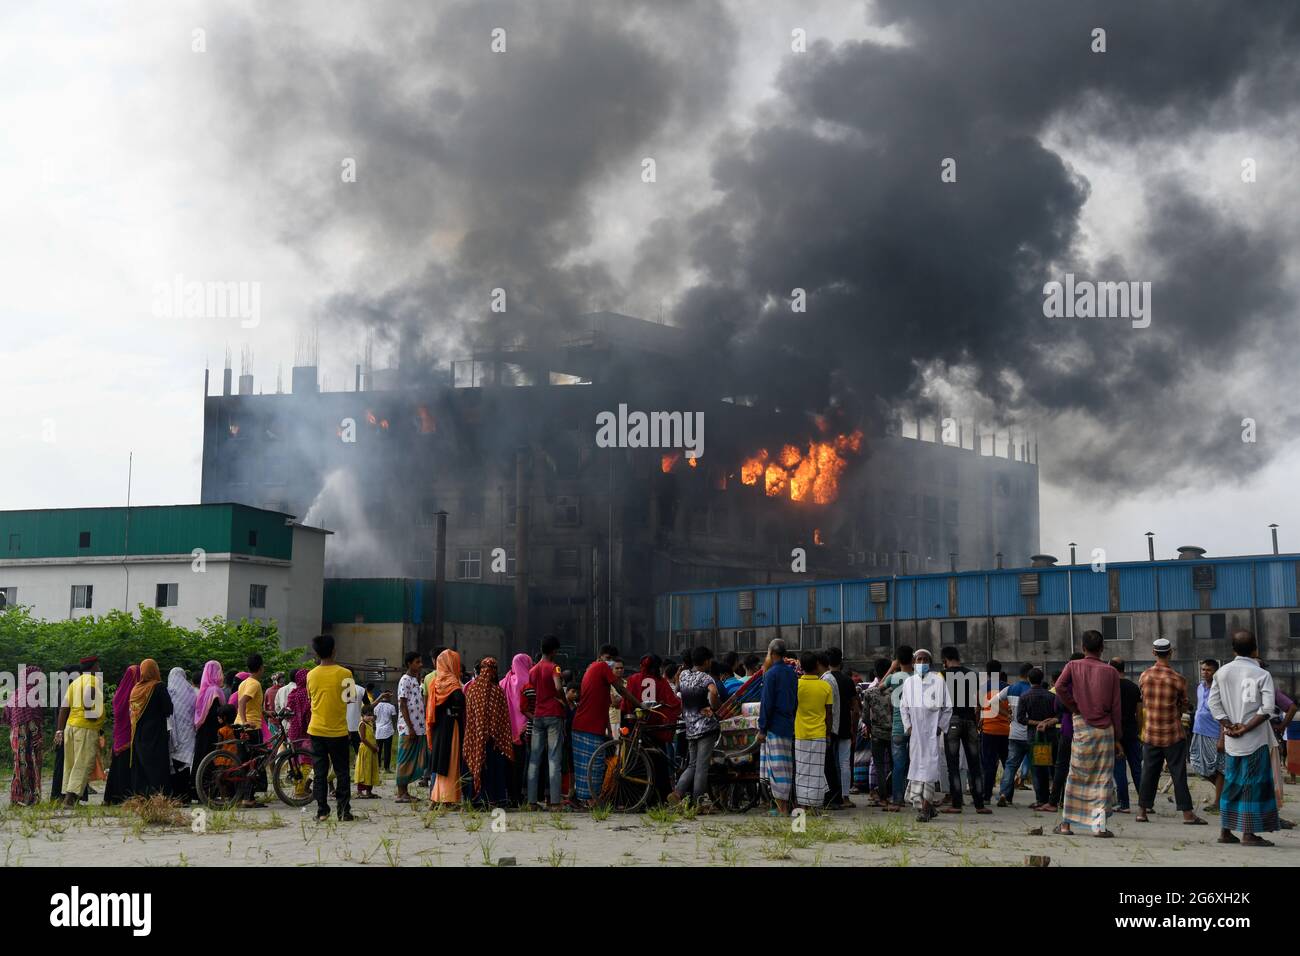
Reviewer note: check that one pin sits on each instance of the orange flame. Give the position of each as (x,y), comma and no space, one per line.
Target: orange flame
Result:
(813,475)
(669,460)
(817,536)
(428,425)
(693,462)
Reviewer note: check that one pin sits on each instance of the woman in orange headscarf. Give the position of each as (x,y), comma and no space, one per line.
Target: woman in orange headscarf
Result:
(151,762)
(444,718)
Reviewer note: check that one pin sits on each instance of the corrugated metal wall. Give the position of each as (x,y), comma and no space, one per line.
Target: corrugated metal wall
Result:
(1239,584)
(394,600)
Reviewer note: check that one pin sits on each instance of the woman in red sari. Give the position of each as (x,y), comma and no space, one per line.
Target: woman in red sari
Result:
(26,737)
(488,738)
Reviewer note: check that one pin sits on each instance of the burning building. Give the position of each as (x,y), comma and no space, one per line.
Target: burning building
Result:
(504,443)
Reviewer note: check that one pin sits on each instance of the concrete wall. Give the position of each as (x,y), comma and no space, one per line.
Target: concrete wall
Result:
(46,586)
(220,588)
(243,574)
(306,588)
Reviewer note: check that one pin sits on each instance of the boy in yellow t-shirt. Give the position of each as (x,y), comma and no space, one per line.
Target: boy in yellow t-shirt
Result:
(330,687)
(812,723)
(249,703)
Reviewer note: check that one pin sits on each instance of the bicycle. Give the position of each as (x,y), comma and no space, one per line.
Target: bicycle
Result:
(222,777)
(620,773)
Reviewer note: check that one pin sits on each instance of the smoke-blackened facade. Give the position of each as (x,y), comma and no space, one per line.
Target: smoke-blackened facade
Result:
(511,436)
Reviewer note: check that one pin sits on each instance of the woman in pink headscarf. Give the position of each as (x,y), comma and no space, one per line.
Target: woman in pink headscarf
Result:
(206,704)
(513,684)
(234,695)
(118,787)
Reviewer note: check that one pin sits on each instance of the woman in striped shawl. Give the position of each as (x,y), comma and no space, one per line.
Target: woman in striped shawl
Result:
(183,696)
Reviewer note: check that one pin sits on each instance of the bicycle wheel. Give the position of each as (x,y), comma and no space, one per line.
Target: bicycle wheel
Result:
(291,776)
(742,796)
(619,777)
(219,780)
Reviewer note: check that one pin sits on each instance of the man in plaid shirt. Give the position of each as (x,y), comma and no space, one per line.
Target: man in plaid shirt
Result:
(1164,696)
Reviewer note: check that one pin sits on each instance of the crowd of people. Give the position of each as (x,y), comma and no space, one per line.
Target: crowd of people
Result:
(909,734)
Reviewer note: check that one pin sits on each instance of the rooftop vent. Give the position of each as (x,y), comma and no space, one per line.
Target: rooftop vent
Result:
(1190,553)
(1042,561)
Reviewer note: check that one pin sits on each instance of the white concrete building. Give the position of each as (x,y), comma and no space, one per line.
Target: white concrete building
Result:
(188,561)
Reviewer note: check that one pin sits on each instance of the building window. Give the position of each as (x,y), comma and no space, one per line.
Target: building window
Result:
(82,595)
(878,635)
(746,640)
(83,540)
(1117,628)
(1295,621)
(510,505)
(9,597)
(1033,629)
(950,506)
(469,564)
(698,520)
(568,511)
(566,563)
(252,539)
(931,508)
(15,542)
(428,508)
(811,638)
(953,632)
(257,596)
(748,526)
(1208,627)
(718,520)
(166,595)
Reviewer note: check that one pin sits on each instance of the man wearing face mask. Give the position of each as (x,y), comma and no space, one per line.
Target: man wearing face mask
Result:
(926,709)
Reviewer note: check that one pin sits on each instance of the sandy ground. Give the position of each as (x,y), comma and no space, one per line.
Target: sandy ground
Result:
(389,834)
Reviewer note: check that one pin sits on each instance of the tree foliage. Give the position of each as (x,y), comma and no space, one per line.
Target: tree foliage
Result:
(119,639)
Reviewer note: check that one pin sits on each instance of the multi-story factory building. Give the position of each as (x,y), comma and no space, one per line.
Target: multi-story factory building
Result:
(505,443)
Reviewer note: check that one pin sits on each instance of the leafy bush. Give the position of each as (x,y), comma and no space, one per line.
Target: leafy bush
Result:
(119,639)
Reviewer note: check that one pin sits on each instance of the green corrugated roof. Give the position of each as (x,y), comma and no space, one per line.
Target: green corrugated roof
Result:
(165,529)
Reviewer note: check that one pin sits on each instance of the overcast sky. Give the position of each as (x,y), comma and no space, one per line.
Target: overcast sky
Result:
(130,158)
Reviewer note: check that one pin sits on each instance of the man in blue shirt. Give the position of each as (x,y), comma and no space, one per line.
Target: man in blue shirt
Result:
(780,700)
(1206,751)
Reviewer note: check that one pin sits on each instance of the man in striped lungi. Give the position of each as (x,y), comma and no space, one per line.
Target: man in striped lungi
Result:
(1089,689)
(776,725)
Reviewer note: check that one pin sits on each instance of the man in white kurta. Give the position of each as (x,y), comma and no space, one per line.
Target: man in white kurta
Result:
(926,709)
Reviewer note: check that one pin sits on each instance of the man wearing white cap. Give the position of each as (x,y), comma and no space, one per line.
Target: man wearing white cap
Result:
(926,708)
(1164,696)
